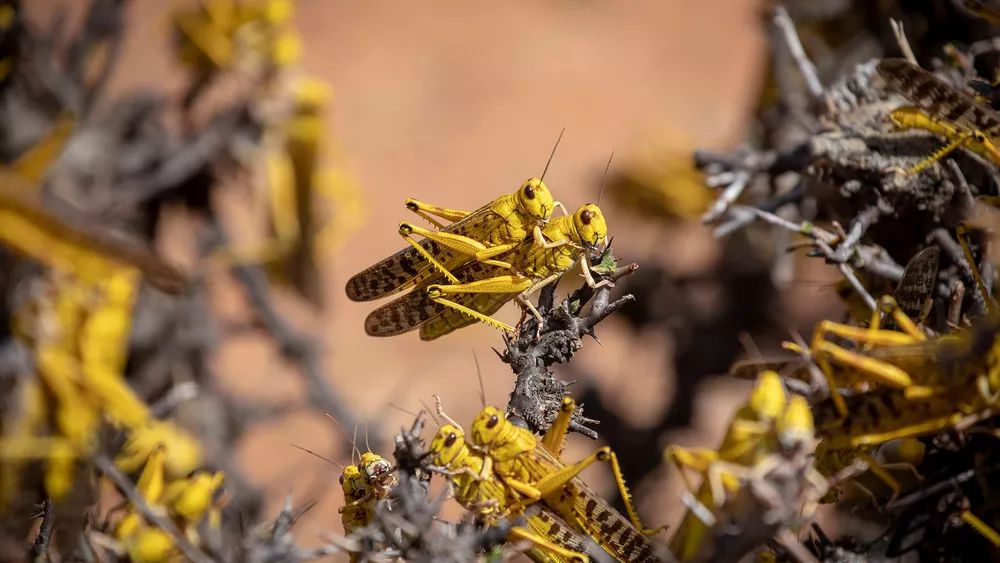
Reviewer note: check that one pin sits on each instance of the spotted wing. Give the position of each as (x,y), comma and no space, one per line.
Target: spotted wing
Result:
(415,309)
(556,530)
(408,268)
(938,98)
(609,528)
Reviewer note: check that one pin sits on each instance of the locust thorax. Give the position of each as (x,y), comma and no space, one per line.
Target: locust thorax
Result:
(492,430)
(353,483)
(533,199)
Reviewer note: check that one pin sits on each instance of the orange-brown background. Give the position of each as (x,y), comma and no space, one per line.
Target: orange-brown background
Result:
(456,102)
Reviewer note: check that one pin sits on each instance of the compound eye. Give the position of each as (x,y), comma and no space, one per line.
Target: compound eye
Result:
(529,192)
(493,421)
(341,479)
(585,217)
(450,440)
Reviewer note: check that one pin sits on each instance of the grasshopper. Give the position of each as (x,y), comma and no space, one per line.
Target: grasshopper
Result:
(483,288)
(479,489)
(960,369)
(747,440)
(364,484)
(944,111)
(528,469)
(481,235)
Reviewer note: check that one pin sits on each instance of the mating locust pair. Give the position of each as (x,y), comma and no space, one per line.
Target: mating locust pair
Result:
(465,271)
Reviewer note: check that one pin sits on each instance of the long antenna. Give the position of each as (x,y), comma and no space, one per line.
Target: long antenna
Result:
(431,413)
(401,409)
(308,451)
(604,180)
(354,444)
(367,447)
(440,409)
(479,372)
(552,154)
(346,435)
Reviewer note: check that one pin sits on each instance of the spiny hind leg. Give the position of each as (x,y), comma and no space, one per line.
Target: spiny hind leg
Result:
(961,231)
(521,533)
(428,212)
(887,305)
(982,528)
(496,285)
(630,508)
(958,141)
(556,479)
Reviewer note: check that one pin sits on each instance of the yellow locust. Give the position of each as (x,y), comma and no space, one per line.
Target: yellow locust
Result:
(483,287)
(943,111)
(479,490)
(364,484)
(479,235)
(747,440)
(533,470)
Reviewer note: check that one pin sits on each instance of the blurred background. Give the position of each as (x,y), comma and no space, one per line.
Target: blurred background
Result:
(455,103)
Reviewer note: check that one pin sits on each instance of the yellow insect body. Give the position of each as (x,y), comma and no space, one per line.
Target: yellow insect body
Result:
(748,439)
(363,486)
(905,118)
(950,113)
(532,470)
(480,491)
(485,288)
(480,235)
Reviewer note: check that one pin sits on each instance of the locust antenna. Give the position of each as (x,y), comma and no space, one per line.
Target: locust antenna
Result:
(346,435)
(354,444)
(552,154)
(367,447)
(431,413)
(604,180)
(440,411)
(401,409)
(479,372)
(310,452)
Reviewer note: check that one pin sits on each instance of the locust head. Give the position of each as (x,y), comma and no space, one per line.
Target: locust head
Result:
(378,471)
(590,226)
(535,200)
(768,399)
(448,445)
(487,427)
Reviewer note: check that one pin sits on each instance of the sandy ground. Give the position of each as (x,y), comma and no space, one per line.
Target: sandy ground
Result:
(456,102)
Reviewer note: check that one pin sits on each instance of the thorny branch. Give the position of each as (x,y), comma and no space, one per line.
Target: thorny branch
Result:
(296,347)
(40,547)
(537,394)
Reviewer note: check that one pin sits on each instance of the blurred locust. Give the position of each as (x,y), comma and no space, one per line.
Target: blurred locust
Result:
(364,484)
(482,288)
(748,439)
(186,501)
(534,471)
